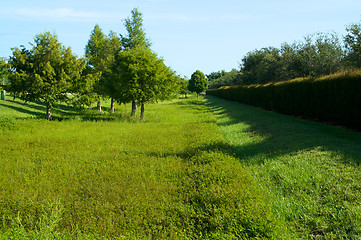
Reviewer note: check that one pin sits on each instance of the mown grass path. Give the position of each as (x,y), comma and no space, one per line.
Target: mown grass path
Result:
(310,170)
(92,176)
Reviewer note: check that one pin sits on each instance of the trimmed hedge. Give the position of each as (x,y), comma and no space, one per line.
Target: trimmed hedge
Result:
(334,98)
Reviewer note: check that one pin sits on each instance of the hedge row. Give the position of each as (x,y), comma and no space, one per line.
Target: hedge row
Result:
(334,98)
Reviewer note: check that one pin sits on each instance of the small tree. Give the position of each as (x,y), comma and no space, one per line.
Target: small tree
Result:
(183,87)
(136,37)
(4,72)
(109,81)
(144,76)
(96,56)
(198,82)
(46,72)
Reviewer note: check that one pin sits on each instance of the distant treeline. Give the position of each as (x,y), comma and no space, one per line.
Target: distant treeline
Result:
(318,54)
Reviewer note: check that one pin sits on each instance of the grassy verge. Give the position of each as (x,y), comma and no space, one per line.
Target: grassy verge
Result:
(310,170)
(173,177)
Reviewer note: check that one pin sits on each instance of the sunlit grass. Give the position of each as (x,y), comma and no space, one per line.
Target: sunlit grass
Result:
(90,175)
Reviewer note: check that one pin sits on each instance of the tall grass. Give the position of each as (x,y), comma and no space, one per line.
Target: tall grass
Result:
(92,176)
(310,170)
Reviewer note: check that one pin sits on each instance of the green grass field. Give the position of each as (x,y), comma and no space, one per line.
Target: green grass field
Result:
(172,177)
(196,169)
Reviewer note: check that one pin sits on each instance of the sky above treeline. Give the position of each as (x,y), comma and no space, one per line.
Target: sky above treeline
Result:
(200,34)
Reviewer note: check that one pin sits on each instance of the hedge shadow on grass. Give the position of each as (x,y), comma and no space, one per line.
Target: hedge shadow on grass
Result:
(276,134)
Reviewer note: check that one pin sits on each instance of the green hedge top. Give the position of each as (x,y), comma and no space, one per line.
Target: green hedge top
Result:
(333,98)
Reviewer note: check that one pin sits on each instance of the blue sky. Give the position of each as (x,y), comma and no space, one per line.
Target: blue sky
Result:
(189,35)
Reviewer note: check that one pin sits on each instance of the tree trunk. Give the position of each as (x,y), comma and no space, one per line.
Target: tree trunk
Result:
(99,106)
(134,108)
(197,95)
(48,112)
(142,117)
(112,105)
(185,95)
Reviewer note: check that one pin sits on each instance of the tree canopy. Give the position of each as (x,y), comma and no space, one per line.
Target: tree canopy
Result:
(233,77)
(144,76)
(136,35)
(129,72)
(48,72)
(100,54)
(198,82)
(353,45)
(4,72)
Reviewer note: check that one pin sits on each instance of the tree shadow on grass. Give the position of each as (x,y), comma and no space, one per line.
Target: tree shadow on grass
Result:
(36,111)
(60,112)
(277,135)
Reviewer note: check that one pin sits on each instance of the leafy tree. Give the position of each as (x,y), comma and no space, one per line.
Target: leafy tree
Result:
(230,78)
(250,65)
(321,54)
(20,65)
(183,86)
(46,72)
(108,81)
(261,66)
(100,54)
(198,82)
(96,56)
(144,76)
(291,62)
(353,45)
(216,75)
(4,73)
(136,37)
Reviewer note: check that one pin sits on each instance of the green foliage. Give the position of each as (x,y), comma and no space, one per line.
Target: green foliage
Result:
(198,82)
(96,52)
(319,54)
(183,86)
(261,66)
(46,72)
(215,75)
(100,53)
(334,98)
(136,35)
(108,179)
(143,75)
(353,45)
(228,79)
(110,81)
(4,72)
(20,64)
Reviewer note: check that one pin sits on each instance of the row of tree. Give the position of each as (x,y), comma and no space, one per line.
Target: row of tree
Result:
(120,67)
(318,54)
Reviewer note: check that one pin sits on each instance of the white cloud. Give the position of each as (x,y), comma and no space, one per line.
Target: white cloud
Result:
(63,14)
(169,17)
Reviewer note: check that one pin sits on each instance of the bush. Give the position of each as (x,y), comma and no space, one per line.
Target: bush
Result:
(333,98)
